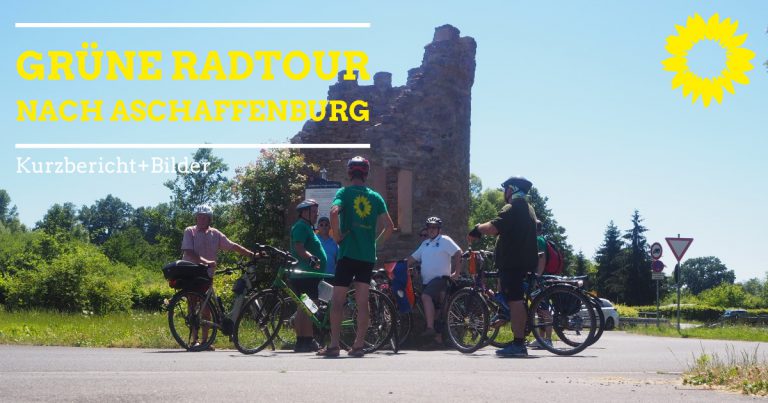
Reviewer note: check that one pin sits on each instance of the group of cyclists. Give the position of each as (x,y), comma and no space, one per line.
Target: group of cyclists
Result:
(358,222)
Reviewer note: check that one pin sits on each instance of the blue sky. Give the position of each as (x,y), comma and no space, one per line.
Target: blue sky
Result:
(570,94)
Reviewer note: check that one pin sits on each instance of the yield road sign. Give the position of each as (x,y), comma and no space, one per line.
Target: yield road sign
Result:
(656,250)
(679,246)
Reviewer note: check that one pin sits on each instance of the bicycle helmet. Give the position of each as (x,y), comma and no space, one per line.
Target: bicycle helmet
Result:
(358,166)
(306,204)
(517,184)
(204,209)
(434,221)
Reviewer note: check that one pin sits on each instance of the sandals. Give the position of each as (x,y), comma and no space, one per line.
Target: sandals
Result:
(329,352)
(356,352)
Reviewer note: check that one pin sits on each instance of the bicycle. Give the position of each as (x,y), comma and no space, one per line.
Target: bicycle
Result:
(551,304)
(191,312)
(263,313)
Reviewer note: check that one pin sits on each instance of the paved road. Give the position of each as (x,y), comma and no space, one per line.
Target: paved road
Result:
(621,367)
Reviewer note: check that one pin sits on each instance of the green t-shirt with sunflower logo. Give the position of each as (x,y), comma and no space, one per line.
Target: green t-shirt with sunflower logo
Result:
(360,210)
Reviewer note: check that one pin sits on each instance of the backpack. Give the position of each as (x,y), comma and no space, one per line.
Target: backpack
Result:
(554,264)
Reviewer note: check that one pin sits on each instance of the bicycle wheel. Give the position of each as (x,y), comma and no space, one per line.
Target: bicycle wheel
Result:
(404,326)
(187,320)
(466,319)
(380,326)
(286,336)
(599,317)
(258,322)
(558,310)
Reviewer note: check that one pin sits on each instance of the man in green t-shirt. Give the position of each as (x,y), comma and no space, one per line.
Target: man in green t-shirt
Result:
(306,247)
(359,219)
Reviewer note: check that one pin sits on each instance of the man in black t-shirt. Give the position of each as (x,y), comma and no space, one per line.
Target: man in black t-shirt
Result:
(516,254)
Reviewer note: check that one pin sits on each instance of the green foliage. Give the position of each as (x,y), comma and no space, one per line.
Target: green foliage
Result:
(105,218)
(80,280)
(610,278)
(703,273)
(61,221)
(728,295)
(210,187)
(265,188)
(130,247)
(638,286)
(700,313)
(9,217)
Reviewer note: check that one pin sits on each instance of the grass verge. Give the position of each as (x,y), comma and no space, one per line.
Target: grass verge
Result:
(743,333)
(129,330)
(744,372)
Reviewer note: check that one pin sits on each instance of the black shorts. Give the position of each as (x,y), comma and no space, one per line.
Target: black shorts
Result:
(305,286)
(348,270)
(511,283)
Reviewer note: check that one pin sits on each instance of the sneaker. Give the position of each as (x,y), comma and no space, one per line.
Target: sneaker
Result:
(535,344)
(513,350)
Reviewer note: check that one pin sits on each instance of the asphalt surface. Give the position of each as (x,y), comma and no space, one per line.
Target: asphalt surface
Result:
(620,367)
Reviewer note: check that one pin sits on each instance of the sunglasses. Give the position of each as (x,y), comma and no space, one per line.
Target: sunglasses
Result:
(322,224)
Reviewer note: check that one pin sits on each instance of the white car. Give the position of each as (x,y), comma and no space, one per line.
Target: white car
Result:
(610,313)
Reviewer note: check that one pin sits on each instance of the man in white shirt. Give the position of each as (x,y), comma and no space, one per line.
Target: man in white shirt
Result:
(440,257)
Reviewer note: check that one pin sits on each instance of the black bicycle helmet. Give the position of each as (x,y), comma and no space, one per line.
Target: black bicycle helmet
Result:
(358,165)
(434,221)
(517,184)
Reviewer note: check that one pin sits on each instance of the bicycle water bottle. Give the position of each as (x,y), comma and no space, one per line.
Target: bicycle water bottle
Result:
(309,303)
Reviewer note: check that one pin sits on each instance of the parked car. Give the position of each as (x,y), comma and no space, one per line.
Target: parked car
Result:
(734,313)
(610,313)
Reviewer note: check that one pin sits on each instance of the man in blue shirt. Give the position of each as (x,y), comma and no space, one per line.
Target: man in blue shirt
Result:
(329,245)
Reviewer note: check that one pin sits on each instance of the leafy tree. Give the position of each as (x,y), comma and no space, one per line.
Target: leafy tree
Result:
(703,273)
(61,220)
(610,278)
(265,190)
(728,296)
(131,248)
(209,187)
(105,218)
(9,217)
(639,288)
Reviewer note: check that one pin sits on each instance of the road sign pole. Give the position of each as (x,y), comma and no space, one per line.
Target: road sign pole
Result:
(677,267)
(658,323)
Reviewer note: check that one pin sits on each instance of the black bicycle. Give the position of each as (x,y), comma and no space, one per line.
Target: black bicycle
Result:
(195,313)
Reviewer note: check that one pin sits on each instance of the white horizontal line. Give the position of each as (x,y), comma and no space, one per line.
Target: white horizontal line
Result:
(193,25)
(181,146)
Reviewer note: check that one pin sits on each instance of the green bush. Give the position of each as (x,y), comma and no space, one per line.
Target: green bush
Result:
(80,280)
(150,297)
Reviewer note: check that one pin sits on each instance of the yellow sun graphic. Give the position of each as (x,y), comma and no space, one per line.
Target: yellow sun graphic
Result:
(362,206)
(736,63)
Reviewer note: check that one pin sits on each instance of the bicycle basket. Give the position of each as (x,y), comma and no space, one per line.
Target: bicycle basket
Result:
(566,304)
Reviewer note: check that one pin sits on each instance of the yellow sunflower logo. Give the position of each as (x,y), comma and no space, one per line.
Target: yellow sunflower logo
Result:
(362,206)
(736,63)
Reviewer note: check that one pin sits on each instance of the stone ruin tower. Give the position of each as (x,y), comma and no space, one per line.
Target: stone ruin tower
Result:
(419,137)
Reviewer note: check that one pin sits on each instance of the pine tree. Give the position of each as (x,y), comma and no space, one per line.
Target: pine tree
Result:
(610,283)
(639,288)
